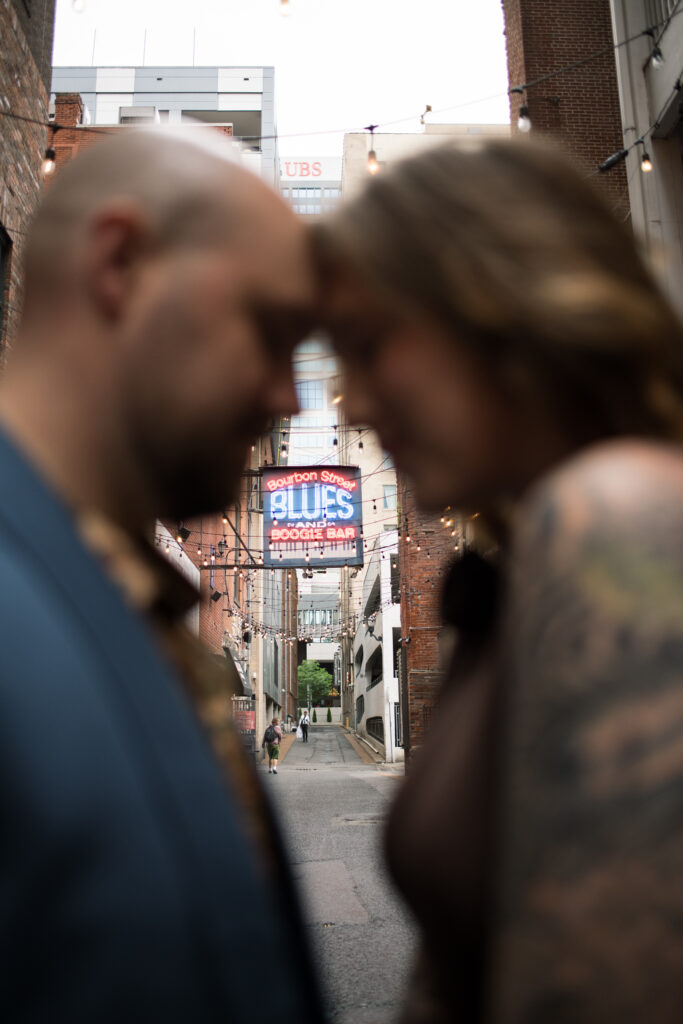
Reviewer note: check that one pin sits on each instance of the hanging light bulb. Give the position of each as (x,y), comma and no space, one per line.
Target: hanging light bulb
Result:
(49,161)
(524,121)
(645,163)
(656,58)
(373,163)
(284,8)
(78,6)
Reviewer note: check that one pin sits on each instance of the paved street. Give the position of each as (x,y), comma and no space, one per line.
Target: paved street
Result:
(333,806)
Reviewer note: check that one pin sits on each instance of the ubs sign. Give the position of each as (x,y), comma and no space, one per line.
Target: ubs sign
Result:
(312,516)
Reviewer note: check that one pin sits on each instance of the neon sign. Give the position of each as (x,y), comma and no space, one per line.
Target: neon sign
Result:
(312,516)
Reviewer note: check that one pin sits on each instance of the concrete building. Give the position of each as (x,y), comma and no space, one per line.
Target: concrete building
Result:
(376,651)
(311,185)
(240,97)
(26,31)
(392,146)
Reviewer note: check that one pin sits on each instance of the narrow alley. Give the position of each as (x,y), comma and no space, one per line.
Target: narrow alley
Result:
(333,801)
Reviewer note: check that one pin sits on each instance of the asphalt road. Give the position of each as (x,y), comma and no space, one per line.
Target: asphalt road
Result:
(332,807)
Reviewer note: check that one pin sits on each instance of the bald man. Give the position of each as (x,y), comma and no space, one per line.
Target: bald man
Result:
(140,873)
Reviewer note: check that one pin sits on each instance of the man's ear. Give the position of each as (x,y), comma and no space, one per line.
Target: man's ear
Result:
(118,240)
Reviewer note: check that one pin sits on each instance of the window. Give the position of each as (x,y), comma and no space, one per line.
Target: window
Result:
(5,250)
(300,427)
(373,669)
(375,727)
(387,462)
(390,495)
(310,394)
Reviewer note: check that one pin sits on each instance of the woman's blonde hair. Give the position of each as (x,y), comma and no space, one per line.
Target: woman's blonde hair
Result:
(506,247)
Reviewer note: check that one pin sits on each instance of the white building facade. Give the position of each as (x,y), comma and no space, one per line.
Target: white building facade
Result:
(650,96)
(375,652)
(243,97)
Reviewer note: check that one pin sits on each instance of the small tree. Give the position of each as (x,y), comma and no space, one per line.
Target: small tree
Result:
(329,714)
(315,717)
(314,678)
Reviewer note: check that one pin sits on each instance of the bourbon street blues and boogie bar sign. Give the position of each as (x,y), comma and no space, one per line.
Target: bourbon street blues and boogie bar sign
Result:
(312,516)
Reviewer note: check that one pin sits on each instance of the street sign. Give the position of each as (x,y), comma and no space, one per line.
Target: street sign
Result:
(312,516)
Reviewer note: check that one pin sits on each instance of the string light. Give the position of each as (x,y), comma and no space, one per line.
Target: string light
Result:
(49,161)
(284,8)
(78,6)
(373,163)
(523,119)
(427,110)
(571,66)
(645,161)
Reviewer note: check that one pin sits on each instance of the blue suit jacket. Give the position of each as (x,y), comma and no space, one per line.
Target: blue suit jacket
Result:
(127,889)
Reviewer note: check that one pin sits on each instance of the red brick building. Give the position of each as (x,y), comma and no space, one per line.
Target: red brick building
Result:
(564,52)
(26,31)
(426,548)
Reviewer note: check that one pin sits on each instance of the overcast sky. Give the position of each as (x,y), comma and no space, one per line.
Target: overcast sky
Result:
(339,64)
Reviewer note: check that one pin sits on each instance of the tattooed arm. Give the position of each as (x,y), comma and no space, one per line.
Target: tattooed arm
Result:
(588,891)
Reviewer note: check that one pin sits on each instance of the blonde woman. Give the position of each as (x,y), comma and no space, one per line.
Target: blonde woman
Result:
(498,329)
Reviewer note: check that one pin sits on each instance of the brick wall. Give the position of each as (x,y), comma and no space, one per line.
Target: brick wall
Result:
(22,144)
(580,107)
(423,562)
(36,21)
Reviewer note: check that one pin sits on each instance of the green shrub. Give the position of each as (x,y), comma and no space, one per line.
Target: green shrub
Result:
(315,717)
(329,714)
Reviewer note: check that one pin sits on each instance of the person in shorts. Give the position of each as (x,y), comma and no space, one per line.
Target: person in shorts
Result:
(273,744)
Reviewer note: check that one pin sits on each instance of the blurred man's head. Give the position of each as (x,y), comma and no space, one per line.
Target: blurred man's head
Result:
(165,289)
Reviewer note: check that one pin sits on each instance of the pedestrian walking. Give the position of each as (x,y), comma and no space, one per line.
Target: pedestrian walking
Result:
(272,738)
(304,723)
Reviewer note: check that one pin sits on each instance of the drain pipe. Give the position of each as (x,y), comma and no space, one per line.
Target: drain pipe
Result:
(363,740)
